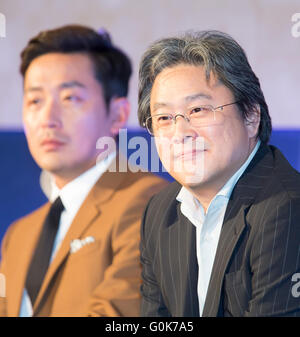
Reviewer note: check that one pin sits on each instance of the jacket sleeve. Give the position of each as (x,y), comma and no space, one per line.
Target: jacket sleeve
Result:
(275,262)
(152,299)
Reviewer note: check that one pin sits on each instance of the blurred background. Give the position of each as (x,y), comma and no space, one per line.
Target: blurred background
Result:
(264,28)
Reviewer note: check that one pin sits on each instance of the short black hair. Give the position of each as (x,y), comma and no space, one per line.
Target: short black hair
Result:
(111,65)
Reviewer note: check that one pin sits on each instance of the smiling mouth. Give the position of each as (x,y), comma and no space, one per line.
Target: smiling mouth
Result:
(189,154)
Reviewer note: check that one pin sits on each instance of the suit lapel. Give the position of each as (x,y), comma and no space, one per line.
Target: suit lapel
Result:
(234,223)
(232,228)
(83,219)
(88,212)
(188,273)
(17,283)
(178,254)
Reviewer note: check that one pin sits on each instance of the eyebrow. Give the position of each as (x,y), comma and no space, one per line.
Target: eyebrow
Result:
(197,96)
(64,85)
(72,84)
(188,99)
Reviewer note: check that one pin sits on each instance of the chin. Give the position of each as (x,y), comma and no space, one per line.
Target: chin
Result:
(189,180)
(50,167)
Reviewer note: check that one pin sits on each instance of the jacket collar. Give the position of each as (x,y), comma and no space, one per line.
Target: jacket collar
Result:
(90,210)
(241,199)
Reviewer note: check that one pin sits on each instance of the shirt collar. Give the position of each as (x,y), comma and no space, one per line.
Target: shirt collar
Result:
(74,193)
(187,197)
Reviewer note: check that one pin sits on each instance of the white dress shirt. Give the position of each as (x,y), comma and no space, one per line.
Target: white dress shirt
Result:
(72,196)
(208,226)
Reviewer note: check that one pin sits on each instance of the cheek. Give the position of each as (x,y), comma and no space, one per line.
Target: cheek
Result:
(85,131)
(229,142)
(164,148)
(29,122)
(31,132)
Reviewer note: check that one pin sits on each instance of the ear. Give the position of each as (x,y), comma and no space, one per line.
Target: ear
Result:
(252,122)
(119,111)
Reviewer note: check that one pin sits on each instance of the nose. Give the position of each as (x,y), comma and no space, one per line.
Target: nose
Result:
(51,116)
(182,129)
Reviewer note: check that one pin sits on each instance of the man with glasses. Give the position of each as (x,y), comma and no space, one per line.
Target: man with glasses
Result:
(223,240)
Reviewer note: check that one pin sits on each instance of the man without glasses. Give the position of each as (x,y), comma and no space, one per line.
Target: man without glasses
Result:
(80,256)
(227,242)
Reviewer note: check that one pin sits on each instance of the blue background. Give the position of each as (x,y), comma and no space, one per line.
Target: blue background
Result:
(19,175)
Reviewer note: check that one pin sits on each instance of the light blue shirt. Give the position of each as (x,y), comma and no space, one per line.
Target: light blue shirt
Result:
(72,196)
(208,226)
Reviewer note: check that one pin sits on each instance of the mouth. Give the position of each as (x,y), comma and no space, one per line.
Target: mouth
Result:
(190,154)
(51,144)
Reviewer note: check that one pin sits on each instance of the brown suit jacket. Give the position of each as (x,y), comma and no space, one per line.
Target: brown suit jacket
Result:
(103,277)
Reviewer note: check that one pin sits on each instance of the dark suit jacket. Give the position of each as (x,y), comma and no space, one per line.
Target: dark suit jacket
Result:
(257,255)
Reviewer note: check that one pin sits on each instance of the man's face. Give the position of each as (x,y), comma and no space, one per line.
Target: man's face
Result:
(64,114)
(224,144)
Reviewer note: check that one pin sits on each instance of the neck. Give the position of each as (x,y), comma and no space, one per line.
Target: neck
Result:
(206,192)
(63,178)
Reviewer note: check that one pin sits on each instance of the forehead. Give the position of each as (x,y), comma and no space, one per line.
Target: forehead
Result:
(179,83)
(53,68)
(185,74)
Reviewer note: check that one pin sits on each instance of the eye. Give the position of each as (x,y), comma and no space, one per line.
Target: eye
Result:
(200,110)
(34,102)
(72,98)
(163,118)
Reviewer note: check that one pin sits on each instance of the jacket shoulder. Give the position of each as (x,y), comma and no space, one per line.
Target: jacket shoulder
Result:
(28,223)
(162,207)
(285,175)
(167,195)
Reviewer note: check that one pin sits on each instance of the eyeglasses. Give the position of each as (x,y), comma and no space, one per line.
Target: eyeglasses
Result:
(203,115)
